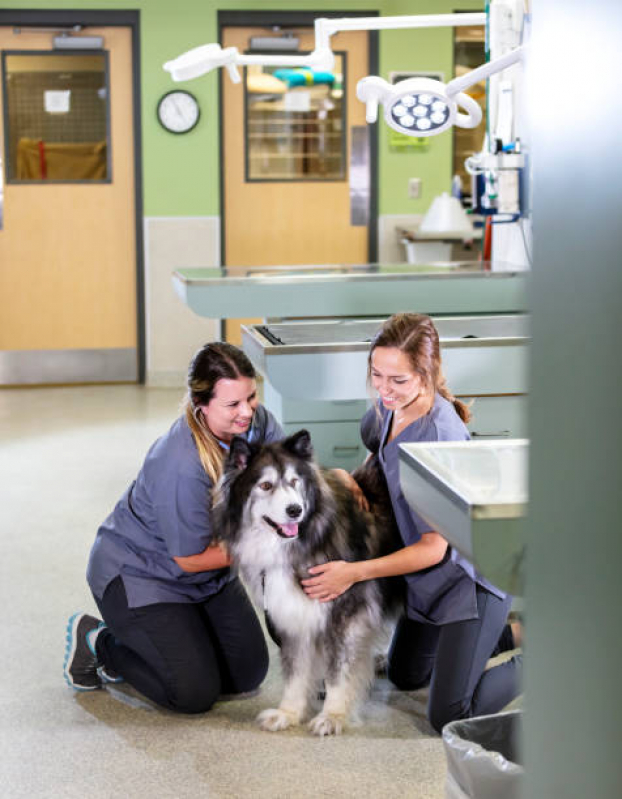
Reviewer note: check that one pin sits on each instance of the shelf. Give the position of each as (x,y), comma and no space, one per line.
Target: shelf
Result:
(288,122)
(293,135)
(292,155)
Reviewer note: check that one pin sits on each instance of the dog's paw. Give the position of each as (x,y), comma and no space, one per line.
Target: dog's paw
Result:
(275,719)
(327,724)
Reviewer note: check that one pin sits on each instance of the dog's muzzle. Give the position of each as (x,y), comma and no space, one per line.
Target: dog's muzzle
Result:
(289,530)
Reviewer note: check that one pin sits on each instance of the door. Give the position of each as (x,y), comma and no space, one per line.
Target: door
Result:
(289,142)
(68,238)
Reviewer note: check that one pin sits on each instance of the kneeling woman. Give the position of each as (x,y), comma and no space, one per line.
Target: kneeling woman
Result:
(177,624)
(455,619)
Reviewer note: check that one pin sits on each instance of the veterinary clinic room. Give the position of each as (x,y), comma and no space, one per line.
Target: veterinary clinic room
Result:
(310,398)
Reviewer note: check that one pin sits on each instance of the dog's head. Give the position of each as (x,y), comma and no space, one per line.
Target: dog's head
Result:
(271,487)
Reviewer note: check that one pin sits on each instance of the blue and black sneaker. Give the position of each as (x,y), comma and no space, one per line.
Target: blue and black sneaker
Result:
(80,668)
(106,674)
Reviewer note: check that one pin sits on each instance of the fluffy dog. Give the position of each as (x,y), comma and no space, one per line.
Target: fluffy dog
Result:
(279,514)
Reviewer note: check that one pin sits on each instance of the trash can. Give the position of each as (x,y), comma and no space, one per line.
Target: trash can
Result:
(484,757)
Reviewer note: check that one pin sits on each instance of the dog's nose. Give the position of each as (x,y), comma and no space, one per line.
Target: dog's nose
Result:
(293,511)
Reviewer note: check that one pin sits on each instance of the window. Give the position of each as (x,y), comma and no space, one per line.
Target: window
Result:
(295,123)
(56,117)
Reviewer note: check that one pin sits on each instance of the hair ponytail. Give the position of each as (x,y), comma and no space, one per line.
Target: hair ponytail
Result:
(462,409)
(211,453)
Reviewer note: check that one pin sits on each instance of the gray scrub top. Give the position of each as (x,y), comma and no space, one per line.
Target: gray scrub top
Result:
(446,592)
(165,513)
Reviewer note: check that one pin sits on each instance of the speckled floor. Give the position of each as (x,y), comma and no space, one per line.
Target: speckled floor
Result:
(66,456)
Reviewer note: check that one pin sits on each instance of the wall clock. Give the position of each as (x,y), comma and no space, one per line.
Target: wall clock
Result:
(178,111)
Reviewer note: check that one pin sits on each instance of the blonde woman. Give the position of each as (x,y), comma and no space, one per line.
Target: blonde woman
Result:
(177,623)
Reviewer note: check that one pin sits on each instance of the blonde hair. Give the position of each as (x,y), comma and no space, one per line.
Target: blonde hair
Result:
(213,362)
(415,335)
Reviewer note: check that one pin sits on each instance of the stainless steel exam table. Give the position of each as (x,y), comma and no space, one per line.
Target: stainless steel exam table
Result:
(324,391)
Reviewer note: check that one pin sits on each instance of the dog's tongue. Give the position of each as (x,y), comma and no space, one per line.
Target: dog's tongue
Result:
(290,529)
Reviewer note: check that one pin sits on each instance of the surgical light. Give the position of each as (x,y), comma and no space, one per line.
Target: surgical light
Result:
(425,106)
(417,106)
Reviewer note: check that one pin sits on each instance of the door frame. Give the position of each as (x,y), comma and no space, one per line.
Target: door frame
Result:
(126,19)
(248,19)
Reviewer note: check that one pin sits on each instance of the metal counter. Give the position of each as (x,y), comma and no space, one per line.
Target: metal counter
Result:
(351,290)
(475,494)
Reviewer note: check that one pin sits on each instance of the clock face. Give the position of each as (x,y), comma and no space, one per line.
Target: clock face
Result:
(178,111)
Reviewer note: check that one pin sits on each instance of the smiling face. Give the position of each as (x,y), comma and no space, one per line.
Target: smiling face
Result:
(393,377)
(230,410)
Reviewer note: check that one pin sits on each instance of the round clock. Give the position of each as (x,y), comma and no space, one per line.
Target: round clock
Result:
(178,111)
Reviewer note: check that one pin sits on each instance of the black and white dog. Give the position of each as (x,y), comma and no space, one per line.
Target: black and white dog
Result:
(279,514)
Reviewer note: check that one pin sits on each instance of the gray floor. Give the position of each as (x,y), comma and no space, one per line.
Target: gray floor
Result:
(66,455)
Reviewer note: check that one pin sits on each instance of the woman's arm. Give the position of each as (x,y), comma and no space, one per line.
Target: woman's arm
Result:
(213,557)
(330,580)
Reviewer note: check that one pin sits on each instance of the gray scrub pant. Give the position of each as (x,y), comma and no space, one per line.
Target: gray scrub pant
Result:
(452,658)
(184,655)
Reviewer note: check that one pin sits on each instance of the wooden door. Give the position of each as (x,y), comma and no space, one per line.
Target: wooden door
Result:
(271,218)
(68,246)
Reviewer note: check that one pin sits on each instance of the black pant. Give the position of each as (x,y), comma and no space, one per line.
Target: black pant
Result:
(452,658)
(182,655)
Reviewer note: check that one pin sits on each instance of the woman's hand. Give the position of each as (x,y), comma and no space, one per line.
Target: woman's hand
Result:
(347,479)
(330,580)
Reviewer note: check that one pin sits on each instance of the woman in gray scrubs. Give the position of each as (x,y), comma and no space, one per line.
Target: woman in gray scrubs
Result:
(177,623)
(454,618)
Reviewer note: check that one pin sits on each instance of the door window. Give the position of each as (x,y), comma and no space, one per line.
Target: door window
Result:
(295,123)
(56,117)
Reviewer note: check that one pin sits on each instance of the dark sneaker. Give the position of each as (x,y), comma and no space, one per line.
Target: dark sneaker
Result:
(106,674)
(80,667)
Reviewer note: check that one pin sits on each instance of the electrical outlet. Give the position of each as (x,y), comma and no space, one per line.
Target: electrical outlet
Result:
(414,188)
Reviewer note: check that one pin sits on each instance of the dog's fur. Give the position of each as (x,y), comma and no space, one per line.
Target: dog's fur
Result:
(278,515)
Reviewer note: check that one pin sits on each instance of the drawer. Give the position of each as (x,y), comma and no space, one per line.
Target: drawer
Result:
(336,444)
(288,410)
(498,417)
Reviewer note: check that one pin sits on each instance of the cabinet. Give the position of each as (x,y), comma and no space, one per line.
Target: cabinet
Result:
(334,426)
(498,417)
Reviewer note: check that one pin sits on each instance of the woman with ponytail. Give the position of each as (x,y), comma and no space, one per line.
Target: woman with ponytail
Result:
(454,619)
(177,623)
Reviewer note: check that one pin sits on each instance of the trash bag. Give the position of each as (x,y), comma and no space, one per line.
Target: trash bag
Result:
(484,757)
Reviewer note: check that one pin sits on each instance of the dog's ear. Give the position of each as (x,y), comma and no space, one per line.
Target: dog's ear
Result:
(300,444)
(240,453)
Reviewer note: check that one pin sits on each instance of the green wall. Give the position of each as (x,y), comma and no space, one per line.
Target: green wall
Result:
(181,172)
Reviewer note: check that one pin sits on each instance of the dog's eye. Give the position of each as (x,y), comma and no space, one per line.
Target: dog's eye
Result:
(265,486)
(294,482)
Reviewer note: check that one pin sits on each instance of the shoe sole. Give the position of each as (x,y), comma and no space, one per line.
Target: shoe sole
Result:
(70,649)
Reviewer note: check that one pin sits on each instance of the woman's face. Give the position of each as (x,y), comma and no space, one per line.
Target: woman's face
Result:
(393,377)
(230,410)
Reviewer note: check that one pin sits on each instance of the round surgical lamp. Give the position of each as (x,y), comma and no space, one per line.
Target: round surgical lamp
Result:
(417,106)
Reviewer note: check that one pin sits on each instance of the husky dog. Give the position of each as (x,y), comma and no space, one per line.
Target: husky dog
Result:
(279,514)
